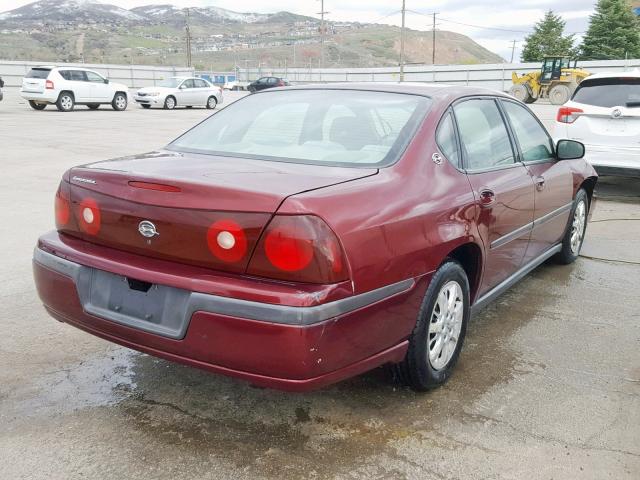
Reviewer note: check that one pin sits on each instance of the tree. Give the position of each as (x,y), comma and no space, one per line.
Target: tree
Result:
(614,32)
(547,39)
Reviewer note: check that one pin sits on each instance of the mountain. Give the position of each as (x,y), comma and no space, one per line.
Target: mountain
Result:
(97,32)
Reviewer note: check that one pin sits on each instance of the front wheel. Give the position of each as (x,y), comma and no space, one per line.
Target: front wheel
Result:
(574,236)
(119,102)
(521,92)
(212,102)
(169,103)
(65,102)
(436,341)
(37,106)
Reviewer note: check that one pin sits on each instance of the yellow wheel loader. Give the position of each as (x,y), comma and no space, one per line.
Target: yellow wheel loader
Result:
(556,80)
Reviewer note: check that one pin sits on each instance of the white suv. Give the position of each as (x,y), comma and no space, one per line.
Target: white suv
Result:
(604,114)
(66,87)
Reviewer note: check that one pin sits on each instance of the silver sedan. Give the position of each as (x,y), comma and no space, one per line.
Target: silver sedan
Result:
(180,92)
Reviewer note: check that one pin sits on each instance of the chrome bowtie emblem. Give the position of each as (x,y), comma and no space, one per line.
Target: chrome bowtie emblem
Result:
(617,113)
(437,158)
(147,229)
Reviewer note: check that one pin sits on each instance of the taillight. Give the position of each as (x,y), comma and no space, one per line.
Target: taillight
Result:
(299,248)
(227,241)
(62,208)
(89,216)
(568,114)
(48,85)
(281,83)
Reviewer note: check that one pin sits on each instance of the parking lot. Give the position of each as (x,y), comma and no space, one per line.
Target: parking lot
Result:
(548,384)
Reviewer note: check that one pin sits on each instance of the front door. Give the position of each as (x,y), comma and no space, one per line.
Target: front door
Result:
(502,187)
(552,179)
(100,91)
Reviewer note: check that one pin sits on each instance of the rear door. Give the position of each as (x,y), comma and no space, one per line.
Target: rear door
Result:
(202,91)
(79,85)
(502,187)
(35,80)
(552,179)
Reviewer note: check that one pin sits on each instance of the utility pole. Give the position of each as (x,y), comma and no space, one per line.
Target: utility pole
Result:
(404,11)
(513,50)
(188,32)
(433,50)
(322,13)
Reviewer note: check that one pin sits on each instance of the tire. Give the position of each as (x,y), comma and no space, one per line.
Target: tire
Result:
(559,94)
(144,105)
(521,92)
(37,106)
(212,102)
(65,102)
(423,369)
(93,106)
(251,89)
(169,103)
(120,102)
(576,228)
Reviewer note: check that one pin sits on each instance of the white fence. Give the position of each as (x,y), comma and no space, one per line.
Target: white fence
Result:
(494,76)
(134,76)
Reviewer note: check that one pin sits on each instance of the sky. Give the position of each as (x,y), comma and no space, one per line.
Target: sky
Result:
(503,21)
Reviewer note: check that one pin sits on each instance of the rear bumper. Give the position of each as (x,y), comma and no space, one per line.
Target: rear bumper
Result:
(609,160)
(290,348)
(48,96)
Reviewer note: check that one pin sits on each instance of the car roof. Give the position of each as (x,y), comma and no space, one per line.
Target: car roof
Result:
(632,74)
(414,88)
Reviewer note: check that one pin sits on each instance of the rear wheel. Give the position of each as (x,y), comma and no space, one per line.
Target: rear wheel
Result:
(559,94)
(212,102)
(522,93)
(93,106)
(436,341)
(65,102)
(37,106)
(574,236)
(169,103)
(119,102)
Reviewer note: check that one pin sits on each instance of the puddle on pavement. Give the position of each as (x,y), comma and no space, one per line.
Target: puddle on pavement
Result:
(263,429)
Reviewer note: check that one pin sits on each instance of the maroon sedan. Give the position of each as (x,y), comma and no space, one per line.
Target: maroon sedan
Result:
(305,235)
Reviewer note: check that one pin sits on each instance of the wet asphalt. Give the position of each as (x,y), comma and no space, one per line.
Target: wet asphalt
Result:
(548,384)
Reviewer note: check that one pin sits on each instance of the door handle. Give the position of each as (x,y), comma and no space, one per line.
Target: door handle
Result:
(540,183)
(487,197)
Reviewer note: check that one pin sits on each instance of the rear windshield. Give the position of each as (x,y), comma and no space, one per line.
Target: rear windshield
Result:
(39,73)
(328,127)
(609,92)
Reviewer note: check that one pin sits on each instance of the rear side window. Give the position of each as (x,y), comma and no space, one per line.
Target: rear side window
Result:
(446,140)
(609,92)
(535,143)
(39,73)
(483,135)
(76,76)
(201,84)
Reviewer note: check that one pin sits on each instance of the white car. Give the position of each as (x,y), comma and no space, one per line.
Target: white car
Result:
(604,114)
(66,87)
(180,92)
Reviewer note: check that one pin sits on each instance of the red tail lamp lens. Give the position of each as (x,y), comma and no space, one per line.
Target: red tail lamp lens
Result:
(89,216)
(568,114)
(48,85)
(227,241)
(62,210)
(299,248)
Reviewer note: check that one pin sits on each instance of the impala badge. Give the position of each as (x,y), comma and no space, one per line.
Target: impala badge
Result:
(147,229)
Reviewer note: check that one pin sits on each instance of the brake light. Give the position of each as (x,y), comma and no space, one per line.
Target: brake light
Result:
(62,209)
(300,248)
(89,216)
(227,241)
(281,83)
(48,85)
(568,114)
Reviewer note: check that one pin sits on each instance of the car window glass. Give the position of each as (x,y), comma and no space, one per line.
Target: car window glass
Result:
(187,84)
(446,140)
(272,81)
(609,92)
(94,77)
(200,84)
(77,76)
(41,73)
(483,135)
(65,74)
(262,80)
(535,143)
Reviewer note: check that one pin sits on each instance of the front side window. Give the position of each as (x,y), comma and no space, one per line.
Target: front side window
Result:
(94,77)
(187,84)
(446,140)
(535,143)
(327,127)
(609,92)
(483,135)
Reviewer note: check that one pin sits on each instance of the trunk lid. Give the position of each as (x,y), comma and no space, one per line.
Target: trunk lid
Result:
(616,126)
(187,198)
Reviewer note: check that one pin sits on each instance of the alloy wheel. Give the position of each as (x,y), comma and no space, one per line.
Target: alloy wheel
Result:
(445,325)
(577,227)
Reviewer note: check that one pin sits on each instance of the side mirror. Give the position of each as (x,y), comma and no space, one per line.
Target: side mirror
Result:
(569,150)
(106,80)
